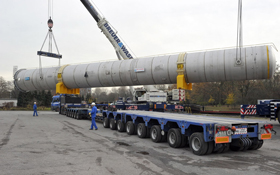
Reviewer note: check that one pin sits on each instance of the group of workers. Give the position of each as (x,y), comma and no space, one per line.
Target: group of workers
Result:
(93,114)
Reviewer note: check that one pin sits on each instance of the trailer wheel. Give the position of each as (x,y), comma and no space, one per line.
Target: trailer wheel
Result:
(210,147)
(254,144)
(141,130)
(105,122)
(120,126)
(130,128)
(56,109)
(197,144)
(226,148)
(77,116)
(72,114)
(174,138)
(260,144)
(219,149)
(236,148)
(113,125)
(155,133)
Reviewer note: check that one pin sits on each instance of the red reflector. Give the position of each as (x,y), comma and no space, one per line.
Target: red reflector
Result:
(268,126)
(222,128)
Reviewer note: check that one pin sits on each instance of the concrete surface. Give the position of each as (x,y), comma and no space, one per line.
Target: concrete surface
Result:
(56,144)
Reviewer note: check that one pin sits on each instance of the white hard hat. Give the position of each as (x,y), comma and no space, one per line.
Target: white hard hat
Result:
(93,104)
(35,102)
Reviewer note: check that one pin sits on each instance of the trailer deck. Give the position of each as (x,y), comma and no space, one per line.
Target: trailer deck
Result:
(217,133)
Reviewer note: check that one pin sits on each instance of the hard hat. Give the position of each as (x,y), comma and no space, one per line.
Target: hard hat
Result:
(93,104)
(35,102)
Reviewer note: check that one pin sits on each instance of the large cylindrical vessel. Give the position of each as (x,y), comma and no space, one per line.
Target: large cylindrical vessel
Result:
(256,62)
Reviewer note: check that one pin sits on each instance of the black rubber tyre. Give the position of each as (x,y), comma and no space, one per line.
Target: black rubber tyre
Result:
(184,141)
(210,147)
(226,148)
(260,144)
(235,148)
(197,144)
(130,128)
(72,114)
(120,126)
(56,109)
(141,130)
(77,116)
(105,122)
(155,133)
(113,125)
(174,138)
(246,147)
(254,144)
(220,150)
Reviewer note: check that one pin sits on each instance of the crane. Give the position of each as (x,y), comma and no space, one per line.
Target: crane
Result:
(121,50)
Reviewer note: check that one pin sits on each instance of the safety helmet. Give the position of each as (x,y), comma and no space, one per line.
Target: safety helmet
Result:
(93,104)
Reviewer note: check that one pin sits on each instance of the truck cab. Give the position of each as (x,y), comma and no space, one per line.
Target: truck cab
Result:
(55,104)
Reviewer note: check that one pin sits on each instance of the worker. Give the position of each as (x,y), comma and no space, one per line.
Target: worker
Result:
(35,109)
(93,115)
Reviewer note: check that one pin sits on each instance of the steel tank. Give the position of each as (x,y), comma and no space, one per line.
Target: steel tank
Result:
(256,62)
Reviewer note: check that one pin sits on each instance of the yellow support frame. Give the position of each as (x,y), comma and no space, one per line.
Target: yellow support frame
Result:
(60,87)
(181,79)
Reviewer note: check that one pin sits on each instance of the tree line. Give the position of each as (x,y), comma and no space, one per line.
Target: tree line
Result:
(235,92)
(42,98)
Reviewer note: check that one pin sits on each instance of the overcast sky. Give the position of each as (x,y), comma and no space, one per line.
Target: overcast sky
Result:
(149,27)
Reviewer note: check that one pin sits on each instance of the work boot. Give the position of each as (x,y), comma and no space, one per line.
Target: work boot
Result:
(90,129)
(96,128)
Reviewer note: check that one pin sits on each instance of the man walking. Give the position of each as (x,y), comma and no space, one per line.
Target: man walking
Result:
(93,115)
(35,109)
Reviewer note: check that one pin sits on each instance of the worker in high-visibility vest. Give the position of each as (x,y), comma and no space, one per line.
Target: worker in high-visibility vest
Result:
(93,115)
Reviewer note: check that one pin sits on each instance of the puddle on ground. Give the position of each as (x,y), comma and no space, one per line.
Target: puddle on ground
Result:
(123,144)
(143,152)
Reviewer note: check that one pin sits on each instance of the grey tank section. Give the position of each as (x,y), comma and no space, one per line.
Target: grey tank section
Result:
(258,62)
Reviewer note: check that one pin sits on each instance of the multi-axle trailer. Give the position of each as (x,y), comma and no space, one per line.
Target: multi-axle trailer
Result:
(204,134)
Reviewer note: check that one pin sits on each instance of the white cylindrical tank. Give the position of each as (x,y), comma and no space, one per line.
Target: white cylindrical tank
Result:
(257,62)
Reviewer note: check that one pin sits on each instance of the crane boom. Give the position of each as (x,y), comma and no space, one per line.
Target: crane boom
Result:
(107,29)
